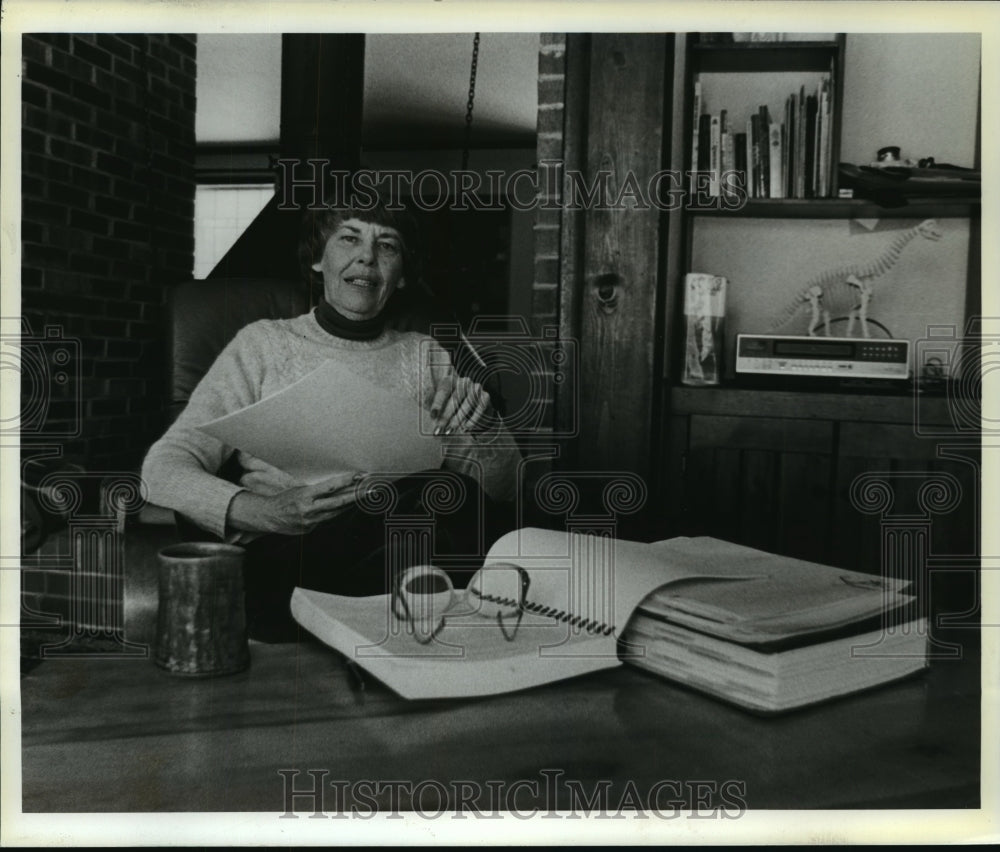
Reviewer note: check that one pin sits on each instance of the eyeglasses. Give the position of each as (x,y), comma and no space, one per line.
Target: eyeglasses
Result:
(403,594)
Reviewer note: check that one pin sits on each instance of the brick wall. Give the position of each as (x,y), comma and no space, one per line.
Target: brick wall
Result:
(545,288)
(107,223)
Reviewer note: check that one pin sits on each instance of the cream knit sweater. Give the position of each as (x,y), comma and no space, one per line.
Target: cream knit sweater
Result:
(269,355)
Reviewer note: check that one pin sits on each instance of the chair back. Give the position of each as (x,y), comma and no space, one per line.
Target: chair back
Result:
(205,315)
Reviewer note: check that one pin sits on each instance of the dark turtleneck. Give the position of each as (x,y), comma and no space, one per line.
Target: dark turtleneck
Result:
(335,323)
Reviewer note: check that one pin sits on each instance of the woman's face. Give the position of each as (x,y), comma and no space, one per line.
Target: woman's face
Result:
(362,265)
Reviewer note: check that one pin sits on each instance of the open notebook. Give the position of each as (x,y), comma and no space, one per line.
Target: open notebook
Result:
(581,596)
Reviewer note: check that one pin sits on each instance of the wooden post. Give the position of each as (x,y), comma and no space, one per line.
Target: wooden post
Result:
(618,124)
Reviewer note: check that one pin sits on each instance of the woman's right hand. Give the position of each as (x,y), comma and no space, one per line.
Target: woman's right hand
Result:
(295,510)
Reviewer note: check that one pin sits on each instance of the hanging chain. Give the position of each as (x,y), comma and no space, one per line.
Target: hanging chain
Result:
(471,102)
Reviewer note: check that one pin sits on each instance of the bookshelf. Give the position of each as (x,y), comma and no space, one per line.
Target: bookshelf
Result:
(780,102)
(738,76)
(771,465)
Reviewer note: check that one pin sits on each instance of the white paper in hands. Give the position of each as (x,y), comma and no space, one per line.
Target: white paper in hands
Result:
(330,421)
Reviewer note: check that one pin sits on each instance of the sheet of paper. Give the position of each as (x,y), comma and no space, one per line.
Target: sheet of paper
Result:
(332,421)
(595,577)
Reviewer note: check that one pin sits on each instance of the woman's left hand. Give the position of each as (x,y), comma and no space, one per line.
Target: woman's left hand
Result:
(461,405)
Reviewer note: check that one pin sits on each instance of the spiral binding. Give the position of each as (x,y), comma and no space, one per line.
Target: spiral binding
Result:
(590,625)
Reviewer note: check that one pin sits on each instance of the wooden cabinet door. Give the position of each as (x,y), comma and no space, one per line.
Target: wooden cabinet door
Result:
(764,482)
(908,506)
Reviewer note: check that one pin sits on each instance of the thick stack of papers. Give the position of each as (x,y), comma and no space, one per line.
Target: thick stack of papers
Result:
(766,632)
(801,634)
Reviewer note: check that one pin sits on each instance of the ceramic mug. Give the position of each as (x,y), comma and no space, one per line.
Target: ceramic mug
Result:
(201,619)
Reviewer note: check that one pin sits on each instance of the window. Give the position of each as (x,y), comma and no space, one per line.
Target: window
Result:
(221,213)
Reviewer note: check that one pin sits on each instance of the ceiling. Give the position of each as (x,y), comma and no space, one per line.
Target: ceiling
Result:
(416,89)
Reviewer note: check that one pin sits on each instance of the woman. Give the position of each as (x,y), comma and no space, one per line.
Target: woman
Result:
(316,535)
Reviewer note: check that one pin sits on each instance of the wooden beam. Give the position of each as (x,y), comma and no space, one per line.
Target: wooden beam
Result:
(616,291)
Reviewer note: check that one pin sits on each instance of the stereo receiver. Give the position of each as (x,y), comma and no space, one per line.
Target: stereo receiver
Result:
(836,357)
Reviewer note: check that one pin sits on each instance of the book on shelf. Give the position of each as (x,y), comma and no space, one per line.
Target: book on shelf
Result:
(788,149)
(704,142)
(766,632)
(728,164)
(753,135)
(695,133)
(715,143)
(764,144)
(740,160)
(775,188)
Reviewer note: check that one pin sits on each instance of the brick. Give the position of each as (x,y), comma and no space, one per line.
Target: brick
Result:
(109,248)
(104,288)
(90,264)
(129,190)
(32,232)
(93,137)
(130,349)
(32,187)
(102,407)
(35,50)
(550,121)
(112,206)
(123,310)
(47,76)
(114,165)
(129,231)
(128,110)
(92,54)
(551,91)
(60,40)
(34,142)
(69,195)
(144,330)
(35,95)
(129,71)
(109,327)
(90,94)
(76,67)
(41,211)
(550,148)
(546,271)
(184,44)
(71,239)
(146,293)
(96,183)
(71,152)
(547,242)
(47,121)
(31,279)
(549,63)
(545,302)
(88,221)
(116,46)
(74,109)
(166,52)
(129,150)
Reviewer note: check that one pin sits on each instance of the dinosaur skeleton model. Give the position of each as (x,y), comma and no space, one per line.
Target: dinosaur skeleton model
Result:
(847,290)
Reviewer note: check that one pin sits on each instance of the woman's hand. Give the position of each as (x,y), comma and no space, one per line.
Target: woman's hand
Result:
(461,405)
(295,510)
(263,478)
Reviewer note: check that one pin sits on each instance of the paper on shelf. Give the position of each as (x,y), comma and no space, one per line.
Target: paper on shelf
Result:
(331,421)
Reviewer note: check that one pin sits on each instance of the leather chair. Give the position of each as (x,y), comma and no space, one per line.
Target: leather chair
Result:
(204,316)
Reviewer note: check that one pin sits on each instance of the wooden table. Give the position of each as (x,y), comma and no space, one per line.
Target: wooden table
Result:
(122,735)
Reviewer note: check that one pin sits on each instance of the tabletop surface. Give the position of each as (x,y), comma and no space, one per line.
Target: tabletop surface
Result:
(120,734)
